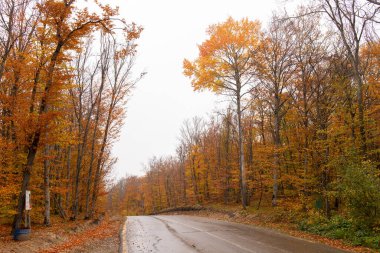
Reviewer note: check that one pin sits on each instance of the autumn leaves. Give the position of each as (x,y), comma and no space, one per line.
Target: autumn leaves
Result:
(285,77)
(292,132)
(65,76)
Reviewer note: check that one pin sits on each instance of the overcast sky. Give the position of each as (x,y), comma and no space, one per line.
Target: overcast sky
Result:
(164,98)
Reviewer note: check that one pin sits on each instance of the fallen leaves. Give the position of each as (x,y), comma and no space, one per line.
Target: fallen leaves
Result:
(108,228)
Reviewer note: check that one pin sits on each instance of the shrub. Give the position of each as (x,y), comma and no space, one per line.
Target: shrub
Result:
(339,227)
(360,190)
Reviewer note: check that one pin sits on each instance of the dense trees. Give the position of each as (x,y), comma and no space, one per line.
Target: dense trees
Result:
(309,134)
(61,103)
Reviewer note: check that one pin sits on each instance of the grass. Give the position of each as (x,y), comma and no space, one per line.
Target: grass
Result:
(339,227)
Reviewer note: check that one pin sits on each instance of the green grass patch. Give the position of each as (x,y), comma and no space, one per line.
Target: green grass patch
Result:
(339,227)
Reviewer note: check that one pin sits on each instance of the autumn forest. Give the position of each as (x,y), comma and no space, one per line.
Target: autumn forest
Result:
(299,130)
(64,81)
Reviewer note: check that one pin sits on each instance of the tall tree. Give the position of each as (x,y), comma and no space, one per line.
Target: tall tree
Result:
(116,71)
(354,23)
(225,65)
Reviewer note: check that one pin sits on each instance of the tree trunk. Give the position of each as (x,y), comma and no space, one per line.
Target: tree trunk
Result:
(194,179)
(227,165)
(243,184)
(68,176)
(183,175)
(32,149)
(363,139)
(47,187)
(89,177)
(25,182)
(100,161)
(277,143)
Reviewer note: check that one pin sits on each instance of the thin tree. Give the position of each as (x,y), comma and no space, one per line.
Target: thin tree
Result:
(354,23)
(276,68)
(120,85)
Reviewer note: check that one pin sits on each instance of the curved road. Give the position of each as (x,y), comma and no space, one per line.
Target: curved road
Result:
(182,234)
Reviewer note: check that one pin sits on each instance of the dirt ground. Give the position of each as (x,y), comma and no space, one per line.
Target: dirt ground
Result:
(70,237)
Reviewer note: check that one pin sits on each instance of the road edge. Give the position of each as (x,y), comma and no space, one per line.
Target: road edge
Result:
(123,237)
(309,237)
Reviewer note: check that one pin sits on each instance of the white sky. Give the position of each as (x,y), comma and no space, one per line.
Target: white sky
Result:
(164,98)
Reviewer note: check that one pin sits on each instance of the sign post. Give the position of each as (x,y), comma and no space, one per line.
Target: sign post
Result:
(27,209)
(27,201)
(23,234)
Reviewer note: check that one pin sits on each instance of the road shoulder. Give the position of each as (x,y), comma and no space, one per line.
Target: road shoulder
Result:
(72,237)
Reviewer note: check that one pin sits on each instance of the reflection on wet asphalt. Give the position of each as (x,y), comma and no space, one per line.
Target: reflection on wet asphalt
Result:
(182,234)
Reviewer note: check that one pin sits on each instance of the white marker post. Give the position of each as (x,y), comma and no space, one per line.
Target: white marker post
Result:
(27,201)
(27,209)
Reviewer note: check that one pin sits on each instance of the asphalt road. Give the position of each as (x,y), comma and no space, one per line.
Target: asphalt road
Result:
(182,234)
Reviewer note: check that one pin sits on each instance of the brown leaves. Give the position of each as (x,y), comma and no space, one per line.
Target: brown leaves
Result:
(105,230)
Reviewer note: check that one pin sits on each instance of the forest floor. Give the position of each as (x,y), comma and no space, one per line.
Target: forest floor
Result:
(266,218)
(71,237)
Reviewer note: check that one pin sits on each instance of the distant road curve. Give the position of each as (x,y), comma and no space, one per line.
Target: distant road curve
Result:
(182,234)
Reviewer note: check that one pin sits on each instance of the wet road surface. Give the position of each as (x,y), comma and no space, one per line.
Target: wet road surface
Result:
(182,234)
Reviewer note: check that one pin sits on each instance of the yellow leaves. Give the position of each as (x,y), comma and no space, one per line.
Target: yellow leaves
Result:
(372,54)
(188,67)
(229,50)
(238,34)
(203,78)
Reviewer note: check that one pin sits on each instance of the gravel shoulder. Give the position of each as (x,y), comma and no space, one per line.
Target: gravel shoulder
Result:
(71,237)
